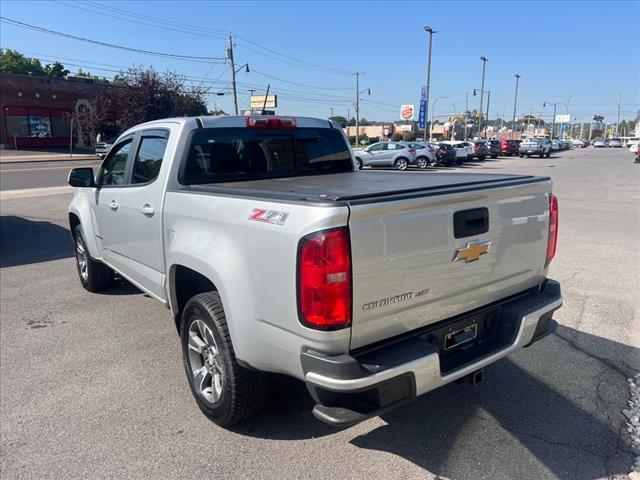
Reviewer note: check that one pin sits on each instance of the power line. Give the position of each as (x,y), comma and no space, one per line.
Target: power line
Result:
(253,70)
(104,44)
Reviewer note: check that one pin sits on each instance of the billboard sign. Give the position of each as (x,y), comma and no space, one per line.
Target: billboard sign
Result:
(422,120)
(563,118)
(407,112)
(257,101)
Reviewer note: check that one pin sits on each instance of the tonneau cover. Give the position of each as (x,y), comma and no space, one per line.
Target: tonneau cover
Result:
(363,186)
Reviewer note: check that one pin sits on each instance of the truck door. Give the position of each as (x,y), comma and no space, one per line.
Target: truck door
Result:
(106,205)
(141,210)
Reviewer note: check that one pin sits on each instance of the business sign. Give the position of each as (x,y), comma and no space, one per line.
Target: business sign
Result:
(563,118)
(422,114)
(257,101)
(407,112)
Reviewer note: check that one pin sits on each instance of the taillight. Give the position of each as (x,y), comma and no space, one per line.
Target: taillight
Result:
(443,150)
(324,279)
(476,147)
(267,121)
(553,228)
(412,151)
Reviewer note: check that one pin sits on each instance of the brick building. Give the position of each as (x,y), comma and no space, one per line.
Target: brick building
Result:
(37,111)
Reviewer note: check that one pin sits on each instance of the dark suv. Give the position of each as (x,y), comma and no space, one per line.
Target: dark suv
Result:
(494,148)
(509,147)
(480,150)
(445,154)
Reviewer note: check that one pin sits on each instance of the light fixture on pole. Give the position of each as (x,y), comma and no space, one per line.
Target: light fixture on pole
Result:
(433,111)
(430,31)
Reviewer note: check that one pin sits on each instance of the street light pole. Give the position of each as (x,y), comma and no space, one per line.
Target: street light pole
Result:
(331,108)
(486,120)
(430,31)
(357,75)
(553,120)
(484,65)
(466,109)
(515,101)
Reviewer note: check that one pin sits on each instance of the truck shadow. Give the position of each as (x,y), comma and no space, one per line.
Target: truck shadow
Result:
(26,241)
(501,427)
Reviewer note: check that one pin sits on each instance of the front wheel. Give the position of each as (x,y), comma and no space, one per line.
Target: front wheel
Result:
(482,158)
(359,162)
(548,153)
(494,156)
(459,161)
(541,154)
(224,391)
(422,162)
(94,275)
(521,155)
(401,164)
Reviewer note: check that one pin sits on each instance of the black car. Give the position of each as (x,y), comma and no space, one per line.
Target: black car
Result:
(445,154)
(480,150)
(494,148)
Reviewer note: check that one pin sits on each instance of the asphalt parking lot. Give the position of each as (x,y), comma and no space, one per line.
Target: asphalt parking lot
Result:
(92,386)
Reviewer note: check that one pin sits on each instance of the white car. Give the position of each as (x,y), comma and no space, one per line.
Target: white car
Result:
(555,145)
(634,147)
(615,143)
(600,144)
(464,151)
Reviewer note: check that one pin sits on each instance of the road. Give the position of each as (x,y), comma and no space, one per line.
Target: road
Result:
(92,385)
(17,176)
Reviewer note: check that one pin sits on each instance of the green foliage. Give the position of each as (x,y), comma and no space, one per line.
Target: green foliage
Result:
(340,119)
(12,61)
(55,70)
(396,137)
(409,136)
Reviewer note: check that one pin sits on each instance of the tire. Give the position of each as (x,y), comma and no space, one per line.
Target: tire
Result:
(94,275)
(459,161)
(359,162)
(401,164)
(242,392)
(541,154)
(522,155)
(422,162)
(549,154)
(481,158)
(528,155)
(494,156)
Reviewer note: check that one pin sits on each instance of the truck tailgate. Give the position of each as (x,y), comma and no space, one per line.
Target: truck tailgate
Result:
(405,272)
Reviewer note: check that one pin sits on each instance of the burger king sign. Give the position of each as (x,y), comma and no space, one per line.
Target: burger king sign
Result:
(407,111)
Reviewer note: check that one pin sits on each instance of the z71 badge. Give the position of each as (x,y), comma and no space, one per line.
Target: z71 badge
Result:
(268,216)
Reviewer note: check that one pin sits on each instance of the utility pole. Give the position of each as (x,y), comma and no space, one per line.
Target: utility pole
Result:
(233,73)
(484,65)
(466,109)
(251,92)
(553,121)
(515,101)
(433,113)
(331,108)
(430,31)
(357,75)
(504,107)
(618,121)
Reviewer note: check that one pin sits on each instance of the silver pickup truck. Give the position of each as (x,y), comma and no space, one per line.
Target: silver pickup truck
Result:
(275,254)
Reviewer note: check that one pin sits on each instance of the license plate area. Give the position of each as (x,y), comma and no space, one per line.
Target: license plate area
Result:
(460,337)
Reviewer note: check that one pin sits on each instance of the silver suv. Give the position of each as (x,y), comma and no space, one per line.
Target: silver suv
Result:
(386,154)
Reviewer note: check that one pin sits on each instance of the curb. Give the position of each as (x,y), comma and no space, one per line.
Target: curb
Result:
(80,158)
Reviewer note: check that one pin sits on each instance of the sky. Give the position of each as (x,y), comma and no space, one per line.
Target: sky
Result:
(586,54)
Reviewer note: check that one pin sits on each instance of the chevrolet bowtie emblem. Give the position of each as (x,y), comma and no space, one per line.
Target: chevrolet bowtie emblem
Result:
(472,251)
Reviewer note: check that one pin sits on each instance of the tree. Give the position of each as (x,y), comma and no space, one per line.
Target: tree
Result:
(396,137)
(409,136)
(340,119)
(147,95)
(12,61)
(55,70)
(217,112)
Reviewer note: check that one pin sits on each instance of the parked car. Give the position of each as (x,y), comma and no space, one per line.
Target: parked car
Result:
(446,154)
(464,151)
(480,150)
(600,143)
(555,145)
(425,154)
(633,147)
(579,143)
(494,148)
(386,154)
(637,153)
(615,143)
(102,148)
(535,146)
(631,141)
(509,147)
(274,255)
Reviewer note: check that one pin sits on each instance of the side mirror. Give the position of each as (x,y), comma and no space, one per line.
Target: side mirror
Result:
(81,177)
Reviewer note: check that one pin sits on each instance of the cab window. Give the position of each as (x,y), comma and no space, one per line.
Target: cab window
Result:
(148,161)
(114,167)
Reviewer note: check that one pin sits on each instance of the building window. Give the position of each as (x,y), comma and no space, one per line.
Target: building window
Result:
(40,126)
(17,126)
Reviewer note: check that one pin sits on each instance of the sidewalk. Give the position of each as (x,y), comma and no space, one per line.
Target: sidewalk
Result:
(18,156)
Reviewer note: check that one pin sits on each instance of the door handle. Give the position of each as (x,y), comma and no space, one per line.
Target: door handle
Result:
(113,205)
(147,210)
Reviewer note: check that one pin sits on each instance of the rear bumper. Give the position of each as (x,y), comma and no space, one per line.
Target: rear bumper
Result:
(369,382)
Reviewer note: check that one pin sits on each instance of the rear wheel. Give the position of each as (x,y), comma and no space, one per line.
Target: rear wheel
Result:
(541,154)
(225,392)
(494,156)
(482,158)
(401,164)
(522,155)
(94,275)
(422,162)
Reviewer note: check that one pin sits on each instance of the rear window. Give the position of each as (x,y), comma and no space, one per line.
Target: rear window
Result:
(233,154)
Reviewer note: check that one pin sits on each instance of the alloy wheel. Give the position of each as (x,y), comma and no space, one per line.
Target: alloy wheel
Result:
(205,362)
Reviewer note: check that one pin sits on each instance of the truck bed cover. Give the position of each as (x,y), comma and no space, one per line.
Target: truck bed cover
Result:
(354,188)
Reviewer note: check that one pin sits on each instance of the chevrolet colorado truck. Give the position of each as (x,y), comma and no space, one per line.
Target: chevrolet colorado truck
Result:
(275,254)
(535,146)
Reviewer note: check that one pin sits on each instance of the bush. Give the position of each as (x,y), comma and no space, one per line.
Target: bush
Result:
(409,137)
(396,137)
